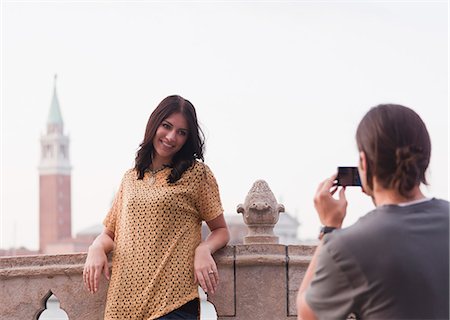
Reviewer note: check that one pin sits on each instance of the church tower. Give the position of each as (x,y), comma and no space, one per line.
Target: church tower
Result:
(54,181)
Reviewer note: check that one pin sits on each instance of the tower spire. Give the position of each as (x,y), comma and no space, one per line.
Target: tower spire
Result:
(54,120)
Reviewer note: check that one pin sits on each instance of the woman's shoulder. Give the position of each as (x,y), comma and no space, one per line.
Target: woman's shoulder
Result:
(200,167)
(199,171)
(200,175)
(130,174)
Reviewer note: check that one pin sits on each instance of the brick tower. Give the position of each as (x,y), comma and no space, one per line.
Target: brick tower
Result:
(54,181)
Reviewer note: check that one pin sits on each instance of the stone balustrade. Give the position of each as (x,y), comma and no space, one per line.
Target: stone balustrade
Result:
(257,281)
(27,282)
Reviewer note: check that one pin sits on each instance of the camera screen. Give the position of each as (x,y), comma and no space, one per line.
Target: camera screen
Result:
(348,176)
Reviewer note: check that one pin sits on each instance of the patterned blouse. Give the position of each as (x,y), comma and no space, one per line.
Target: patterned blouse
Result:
(157,227)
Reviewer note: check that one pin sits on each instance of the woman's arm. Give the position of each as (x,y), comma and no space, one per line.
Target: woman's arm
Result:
(205,269)
(97,260)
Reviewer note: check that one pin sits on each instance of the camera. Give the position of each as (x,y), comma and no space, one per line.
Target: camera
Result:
(348,177)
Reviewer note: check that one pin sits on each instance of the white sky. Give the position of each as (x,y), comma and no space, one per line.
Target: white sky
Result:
(279,89)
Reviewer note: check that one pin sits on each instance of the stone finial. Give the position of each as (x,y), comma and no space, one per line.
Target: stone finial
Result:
(260,211)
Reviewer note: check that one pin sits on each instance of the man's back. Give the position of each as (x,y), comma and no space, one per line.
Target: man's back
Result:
(393,263)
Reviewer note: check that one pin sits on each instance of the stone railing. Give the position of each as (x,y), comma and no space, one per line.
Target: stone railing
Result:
(257,281)
(27,282)
(260,281)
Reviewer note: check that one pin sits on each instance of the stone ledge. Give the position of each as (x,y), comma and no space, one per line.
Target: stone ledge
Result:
(256,280)
(41,260)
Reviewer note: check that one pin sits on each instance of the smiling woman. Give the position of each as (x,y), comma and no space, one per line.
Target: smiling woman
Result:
(154,225)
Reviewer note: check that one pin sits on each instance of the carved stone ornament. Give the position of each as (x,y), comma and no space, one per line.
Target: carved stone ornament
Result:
(260,212)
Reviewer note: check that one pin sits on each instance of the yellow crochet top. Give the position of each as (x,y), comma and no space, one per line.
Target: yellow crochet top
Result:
(157,227)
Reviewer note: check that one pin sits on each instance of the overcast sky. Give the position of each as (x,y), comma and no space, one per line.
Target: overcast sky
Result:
(279,89)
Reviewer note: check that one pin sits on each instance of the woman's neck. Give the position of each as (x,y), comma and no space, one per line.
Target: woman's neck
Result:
(158,163)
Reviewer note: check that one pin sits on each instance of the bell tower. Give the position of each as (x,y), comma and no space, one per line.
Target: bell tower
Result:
(54,180)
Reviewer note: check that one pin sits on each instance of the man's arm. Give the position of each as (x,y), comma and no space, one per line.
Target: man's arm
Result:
(331,213)
(304,311)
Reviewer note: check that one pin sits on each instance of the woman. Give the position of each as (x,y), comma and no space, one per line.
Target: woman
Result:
(154,225)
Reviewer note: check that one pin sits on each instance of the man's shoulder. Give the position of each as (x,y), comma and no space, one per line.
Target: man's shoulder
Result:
(383,223)
(364,223)
(368,228)
(440,203)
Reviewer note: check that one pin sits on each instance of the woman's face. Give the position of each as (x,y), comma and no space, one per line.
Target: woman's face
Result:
(170,137)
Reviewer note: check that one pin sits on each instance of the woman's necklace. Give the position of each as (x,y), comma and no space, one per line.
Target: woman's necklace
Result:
(152,178)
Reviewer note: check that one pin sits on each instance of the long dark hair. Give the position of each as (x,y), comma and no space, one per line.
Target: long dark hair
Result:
(192,149)
(397,147)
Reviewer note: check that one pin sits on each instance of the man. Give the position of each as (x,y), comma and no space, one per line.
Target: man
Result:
(394,262)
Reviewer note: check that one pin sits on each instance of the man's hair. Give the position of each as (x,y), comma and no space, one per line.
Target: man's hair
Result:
(191,150)
(397,146)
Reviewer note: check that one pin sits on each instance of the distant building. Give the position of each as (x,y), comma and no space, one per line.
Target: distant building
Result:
(55,223)
(286,229)
(55,214)
(22,251)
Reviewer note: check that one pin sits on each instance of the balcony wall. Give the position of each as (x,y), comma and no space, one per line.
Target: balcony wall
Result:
(258,281)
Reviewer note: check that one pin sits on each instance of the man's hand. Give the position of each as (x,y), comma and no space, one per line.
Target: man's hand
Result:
(331,211)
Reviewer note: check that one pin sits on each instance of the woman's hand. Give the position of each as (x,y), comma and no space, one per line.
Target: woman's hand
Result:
(96,263)
(331,211)
(205,269)
(97,260)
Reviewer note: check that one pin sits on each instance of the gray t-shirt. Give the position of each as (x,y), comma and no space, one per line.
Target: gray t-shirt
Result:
(392,264)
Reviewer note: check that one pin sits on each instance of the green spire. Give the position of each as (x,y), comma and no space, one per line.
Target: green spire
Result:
(54,116)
